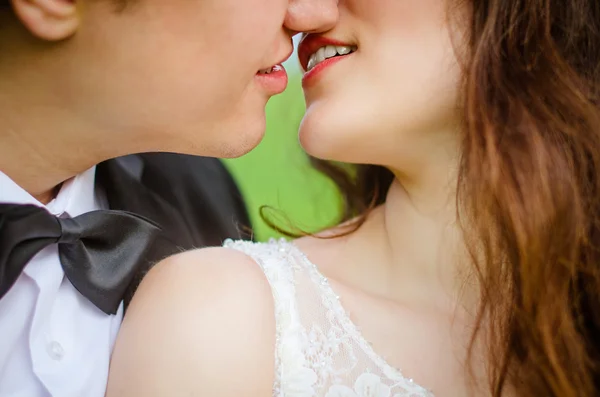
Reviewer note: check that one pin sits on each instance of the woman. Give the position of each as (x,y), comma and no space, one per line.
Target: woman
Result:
(472,266)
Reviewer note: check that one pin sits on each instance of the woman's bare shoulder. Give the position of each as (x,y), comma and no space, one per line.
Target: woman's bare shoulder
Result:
(201,323)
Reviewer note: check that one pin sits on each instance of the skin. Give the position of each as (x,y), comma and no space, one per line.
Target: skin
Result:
(402,275)
(82,82)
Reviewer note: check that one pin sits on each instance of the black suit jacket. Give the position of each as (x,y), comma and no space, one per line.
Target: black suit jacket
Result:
(194,200)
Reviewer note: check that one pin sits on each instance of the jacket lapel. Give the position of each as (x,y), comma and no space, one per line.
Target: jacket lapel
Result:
(125,192)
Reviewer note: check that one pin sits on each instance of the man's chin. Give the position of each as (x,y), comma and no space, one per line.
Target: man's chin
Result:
(236,146)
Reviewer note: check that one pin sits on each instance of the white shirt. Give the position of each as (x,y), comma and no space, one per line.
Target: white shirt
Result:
(53,341)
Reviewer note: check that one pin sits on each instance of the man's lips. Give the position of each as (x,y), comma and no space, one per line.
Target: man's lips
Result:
(311,44)
(281,61)
(273,82)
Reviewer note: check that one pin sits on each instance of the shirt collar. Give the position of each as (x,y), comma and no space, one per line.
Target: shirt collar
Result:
(75,197)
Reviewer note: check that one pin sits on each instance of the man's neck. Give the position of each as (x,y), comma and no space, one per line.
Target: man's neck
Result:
(49,195)
(40,163)
(43,141)
(41,146)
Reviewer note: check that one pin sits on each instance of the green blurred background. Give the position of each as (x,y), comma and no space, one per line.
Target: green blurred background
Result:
(277,173)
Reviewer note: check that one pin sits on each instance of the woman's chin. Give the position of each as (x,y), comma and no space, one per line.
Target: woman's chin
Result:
(312,142)
(329,138)
(326,147)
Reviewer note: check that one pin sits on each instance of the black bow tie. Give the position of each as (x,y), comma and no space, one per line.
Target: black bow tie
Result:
(100,251)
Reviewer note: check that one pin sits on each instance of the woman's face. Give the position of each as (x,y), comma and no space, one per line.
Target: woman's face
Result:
(182,75)
(392,100)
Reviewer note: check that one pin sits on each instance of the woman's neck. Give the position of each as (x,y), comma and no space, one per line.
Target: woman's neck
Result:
(424,240)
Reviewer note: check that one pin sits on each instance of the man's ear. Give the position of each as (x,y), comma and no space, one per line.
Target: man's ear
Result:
(50,20)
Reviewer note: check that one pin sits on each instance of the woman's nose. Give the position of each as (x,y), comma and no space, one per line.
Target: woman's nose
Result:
(311,16)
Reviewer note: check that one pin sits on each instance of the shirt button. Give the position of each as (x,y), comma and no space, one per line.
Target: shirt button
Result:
(56,351)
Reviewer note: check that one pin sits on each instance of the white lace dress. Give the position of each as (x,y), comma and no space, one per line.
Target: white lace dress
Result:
(319,351)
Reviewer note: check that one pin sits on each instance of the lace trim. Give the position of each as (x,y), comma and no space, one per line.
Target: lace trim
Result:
(332,301)
(288,325)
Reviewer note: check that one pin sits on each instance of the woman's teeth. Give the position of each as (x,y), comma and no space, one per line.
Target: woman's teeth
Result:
(327,52)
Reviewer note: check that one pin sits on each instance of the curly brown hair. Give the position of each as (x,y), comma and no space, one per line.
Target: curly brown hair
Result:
(529,191)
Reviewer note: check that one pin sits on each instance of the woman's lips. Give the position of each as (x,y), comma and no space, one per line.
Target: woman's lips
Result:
(311,43)
(273,82)
(309,46)
(312,75)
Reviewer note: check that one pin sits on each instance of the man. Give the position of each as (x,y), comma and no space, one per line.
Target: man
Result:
(83,82)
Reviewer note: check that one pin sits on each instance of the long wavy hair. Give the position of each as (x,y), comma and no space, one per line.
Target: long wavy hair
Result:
(529,191)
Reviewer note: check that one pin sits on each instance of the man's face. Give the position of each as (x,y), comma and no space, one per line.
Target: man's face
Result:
(175,75)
